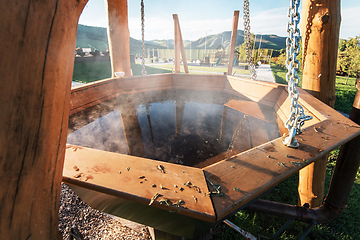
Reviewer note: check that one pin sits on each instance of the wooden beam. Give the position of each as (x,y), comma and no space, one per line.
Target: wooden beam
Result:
(320,37)
(37,58)
(119,36)
(233,40)
(176,45)
(320,25)
(179,46)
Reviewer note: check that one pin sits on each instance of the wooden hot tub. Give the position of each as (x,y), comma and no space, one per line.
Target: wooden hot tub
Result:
(212,141)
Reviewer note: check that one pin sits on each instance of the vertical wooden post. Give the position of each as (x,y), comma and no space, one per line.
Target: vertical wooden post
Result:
(320,26)
(119,36)
(176,45)
(179,46)
(37,57)
(233,40)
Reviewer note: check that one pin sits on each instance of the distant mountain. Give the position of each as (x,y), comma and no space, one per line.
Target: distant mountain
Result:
(213,41)
(97,37)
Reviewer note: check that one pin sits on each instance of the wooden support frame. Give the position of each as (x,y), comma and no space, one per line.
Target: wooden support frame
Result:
(179,46)
(233,41)
(320,27)
(38,41)
(328,130)
(119,36)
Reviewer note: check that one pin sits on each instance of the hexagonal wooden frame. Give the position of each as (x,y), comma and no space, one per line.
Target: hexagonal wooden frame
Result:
(243,178)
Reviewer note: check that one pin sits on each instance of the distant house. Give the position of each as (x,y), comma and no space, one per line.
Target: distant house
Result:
(86,50)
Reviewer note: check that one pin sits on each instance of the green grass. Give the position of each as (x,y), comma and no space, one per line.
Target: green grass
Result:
(345,94)
(201,69)
(280,74)
(92,71)
(86,72)
(345,227)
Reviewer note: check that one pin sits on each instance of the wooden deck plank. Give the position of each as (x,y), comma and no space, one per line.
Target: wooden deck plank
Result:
(198,82)
(256,171)
(257,91)
(100,171)
(243,178)
(248,107)
(282,108)
(251,133)
(93,93)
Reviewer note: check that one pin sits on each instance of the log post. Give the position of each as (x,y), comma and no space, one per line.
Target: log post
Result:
(176,45)
(37,58)
(119,36)
(320,24)
(233,40)
(179,46)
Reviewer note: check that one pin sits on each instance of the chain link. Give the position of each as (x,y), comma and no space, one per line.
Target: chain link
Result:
(297,117)
(143,38)
(247,41)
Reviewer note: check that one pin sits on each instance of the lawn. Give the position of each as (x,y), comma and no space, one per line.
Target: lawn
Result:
(345,227)
(86,72)
(201,69)
(92,71)
(345,94)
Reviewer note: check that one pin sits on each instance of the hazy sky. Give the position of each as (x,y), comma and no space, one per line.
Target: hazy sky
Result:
(198,18)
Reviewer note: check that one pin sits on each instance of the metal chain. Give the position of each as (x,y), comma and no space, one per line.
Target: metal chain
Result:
(143,38)
(247,41)
(297,117)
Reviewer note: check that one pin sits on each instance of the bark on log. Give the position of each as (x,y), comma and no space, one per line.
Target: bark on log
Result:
(37,57)
(176,44)
(320,24)
(233,41)
(119,37)
(179,46)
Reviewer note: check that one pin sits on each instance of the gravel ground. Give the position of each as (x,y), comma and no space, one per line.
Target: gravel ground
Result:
(91,223)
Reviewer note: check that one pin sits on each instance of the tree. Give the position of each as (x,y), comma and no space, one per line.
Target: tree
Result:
(349,57)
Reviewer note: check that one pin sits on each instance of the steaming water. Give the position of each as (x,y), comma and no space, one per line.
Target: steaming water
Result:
(177,126)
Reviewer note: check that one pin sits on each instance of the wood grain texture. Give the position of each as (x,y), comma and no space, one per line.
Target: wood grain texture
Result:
(119,36)
(179,46)
(100,172)
(320,25)
(198,82)
(257,91)
(243,176)
(233,41)
(38,41)
(320,34)
(258,170)
(93,93)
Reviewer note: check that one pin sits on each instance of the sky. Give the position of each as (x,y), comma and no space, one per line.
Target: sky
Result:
(207,17)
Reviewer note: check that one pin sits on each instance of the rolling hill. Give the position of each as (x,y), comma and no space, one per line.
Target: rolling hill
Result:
(97,37)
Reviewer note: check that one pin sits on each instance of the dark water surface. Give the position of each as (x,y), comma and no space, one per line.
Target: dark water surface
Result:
(179,126)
